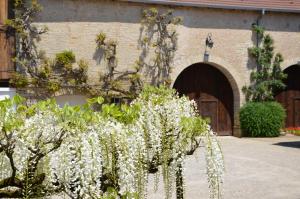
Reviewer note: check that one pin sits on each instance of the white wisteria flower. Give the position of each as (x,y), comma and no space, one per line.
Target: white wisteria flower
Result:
(108,153)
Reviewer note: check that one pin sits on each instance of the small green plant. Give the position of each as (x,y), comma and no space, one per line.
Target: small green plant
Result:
(65,58)
(53,86)
(262,119)
(100,39)
(18,80)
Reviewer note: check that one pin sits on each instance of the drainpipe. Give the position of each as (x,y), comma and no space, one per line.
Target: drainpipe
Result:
(258,23)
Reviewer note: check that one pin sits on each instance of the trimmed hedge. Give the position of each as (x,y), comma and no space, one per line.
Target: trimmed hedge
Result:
(262,119)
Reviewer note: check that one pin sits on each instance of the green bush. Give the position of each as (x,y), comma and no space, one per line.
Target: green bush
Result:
(18,80)
(65,58)
(262,119)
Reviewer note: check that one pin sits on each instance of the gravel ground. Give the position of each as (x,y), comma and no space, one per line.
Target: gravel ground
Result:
(256,168)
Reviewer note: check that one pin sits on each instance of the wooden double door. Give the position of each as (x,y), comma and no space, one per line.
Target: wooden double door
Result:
(212,92)
(6,41)
(290,97)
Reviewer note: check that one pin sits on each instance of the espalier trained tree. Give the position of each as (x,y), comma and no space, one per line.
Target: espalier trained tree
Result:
(114,82)
(35,71)
(159,42)
(268,77)
(84,153)
(44,77)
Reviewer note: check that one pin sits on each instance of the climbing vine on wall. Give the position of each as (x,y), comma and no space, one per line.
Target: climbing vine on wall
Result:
(268,77)
(113,81)
(159,44)
(34,69)
(27,35)
(46,76)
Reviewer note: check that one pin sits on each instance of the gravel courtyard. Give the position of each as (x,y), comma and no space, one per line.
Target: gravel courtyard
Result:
(256,168)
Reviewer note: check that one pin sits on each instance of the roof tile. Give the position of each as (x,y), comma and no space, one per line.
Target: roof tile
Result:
(272,5)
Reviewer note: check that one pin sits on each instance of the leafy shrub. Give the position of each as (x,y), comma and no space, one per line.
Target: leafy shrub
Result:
(100,38)
(262,119)
(65,58)
(18,80)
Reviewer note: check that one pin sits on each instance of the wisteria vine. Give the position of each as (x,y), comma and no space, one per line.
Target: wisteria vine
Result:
(83,153)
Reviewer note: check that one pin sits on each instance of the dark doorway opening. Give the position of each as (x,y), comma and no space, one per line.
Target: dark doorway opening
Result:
(212,92)
(290,97)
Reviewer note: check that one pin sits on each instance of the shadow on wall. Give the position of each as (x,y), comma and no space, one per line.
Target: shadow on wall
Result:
(294,144)
(98,55)
(251,62)
(110,12)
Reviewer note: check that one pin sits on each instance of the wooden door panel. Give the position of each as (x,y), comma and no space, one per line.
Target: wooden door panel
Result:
(3,11)
(212,92)
(225,120)
(297,112)
(209,110)
(289,98)
(6,42)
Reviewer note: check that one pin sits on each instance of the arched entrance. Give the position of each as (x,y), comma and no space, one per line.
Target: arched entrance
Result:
(290,97)
(212,92)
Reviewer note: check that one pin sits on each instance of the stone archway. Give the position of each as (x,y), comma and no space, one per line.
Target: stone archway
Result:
(290,97)
(213,93)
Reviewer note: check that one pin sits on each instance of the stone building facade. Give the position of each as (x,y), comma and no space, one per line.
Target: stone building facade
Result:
(74,24)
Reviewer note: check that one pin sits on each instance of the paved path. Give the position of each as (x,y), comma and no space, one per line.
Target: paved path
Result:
(256,168)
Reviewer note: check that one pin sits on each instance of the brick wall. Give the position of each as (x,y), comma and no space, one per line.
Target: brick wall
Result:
(74,25)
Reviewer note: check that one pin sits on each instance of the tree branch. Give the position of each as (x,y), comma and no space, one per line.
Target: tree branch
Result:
(11,182)
(10,193)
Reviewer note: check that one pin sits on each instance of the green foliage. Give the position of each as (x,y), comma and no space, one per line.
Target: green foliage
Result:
(158,95)
(124,113)
(54,74)
(53,86)
(65,58)
(100,39)
(152,131)
(262,119)
(18,80)
(15,118)
(27,34)
(113,82)
(268,77)
(259,30)
(44,71)
(44,76)
(193,126)
(109,48)
(35,71)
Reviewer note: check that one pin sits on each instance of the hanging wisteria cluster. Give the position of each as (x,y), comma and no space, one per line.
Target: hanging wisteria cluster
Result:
(108,153)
